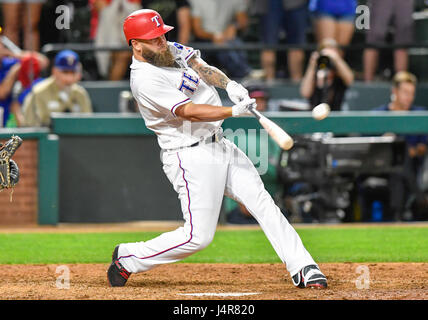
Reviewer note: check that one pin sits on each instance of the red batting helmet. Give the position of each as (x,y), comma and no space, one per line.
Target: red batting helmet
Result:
(144,24)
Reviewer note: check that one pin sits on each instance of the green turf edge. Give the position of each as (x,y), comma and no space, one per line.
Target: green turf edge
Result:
(380,244)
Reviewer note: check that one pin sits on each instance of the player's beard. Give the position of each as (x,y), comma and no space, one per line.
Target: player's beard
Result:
(159,59)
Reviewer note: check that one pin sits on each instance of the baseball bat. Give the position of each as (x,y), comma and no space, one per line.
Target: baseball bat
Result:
(9,44)
(278,134)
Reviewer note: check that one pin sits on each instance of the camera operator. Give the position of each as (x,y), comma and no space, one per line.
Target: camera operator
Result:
(327,77)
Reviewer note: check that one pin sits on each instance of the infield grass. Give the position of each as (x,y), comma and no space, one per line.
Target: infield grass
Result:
(326,244)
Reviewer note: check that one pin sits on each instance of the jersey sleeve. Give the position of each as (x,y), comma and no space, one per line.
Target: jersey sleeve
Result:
(183,52)
(161,96)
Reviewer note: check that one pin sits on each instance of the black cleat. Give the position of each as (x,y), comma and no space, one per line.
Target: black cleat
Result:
(310,277)
(116,273)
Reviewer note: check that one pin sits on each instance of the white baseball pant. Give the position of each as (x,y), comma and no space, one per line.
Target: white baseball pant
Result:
(201,176)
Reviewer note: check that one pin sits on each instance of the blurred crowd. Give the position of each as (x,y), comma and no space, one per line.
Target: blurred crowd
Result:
(317,33)
(35,83)
(296,23)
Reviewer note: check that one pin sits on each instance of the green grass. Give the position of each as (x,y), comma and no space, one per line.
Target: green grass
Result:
(326,244)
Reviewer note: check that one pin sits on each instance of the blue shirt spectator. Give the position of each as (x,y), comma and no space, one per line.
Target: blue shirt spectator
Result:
(26,91)
(6,65)
(405,187)
(411,140)
(402,97)
(12,73)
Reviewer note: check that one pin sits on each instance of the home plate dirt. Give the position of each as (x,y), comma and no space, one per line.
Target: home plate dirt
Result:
(181,281)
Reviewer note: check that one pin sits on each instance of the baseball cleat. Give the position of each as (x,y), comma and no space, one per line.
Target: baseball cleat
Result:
(310,277)
(117,275)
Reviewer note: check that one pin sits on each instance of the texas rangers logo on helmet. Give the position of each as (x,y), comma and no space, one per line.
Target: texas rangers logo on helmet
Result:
(156,19)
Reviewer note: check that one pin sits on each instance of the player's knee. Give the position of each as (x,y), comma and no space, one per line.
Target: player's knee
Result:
(201,242)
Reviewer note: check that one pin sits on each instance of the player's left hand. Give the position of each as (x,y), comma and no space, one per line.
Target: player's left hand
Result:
(243,107)
(236,92)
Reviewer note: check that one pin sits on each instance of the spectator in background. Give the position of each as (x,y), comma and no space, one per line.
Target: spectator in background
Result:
(292,17)
(381,14)
(327,77)
(219,22)
(29,74)
(10,71)
(174,13)
(334,19)
(106,30)
(23,15)
(405,185)
(58,93)
(260,93)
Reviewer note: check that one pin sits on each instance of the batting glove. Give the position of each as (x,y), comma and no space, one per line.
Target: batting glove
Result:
(243,107)
(236,92)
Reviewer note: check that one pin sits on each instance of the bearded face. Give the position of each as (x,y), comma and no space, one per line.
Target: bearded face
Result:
(159,59)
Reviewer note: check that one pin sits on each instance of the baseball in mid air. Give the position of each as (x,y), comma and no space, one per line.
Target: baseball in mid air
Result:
(321,111)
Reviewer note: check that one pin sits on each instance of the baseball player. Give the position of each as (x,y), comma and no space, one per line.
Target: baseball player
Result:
(176,95)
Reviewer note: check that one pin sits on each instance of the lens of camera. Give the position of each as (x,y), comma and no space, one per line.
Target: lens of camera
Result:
(323,62)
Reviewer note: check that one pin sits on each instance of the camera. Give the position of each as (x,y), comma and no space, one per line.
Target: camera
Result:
(324,62)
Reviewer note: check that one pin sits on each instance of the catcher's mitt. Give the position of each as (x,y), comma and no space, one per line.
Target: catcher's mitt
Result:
(9,171)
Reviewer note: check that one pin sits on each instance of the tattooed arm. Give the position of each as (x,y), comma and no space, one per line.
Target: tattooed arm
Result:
(209,74)
(215,77)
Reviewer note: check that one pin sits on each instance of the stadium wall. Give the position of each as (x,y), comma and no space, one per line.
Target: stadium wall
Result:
(105,167)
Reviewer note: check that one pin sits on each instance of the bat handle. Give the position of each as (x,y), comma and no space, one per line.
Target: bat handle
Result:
(256,113)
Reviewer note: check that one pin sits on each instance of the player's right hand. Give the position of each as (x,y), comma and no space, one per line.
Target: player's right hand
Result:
(243,107)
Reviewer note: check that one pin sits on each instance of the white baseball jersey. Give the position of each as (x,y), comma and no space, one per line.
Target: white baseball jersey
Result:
(159,91)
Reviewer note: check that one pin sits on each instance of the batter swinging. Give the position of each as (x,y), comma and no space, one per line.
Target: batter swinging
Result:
(176,95)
